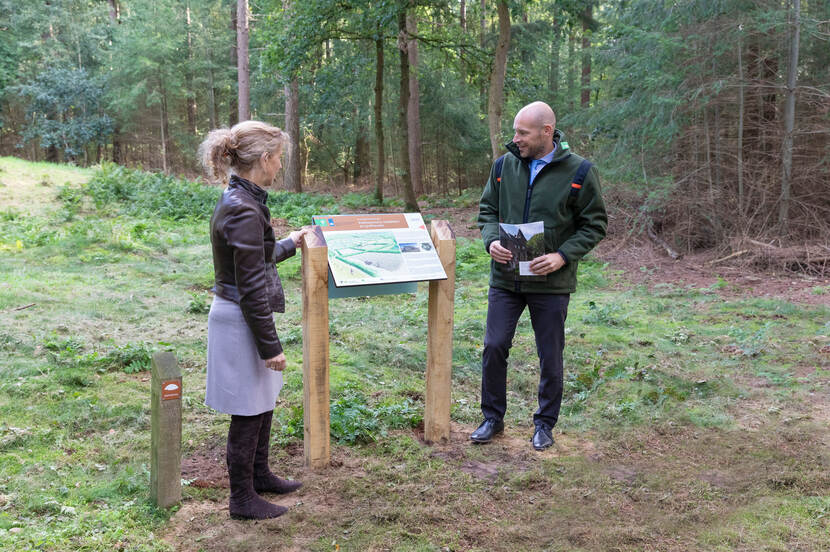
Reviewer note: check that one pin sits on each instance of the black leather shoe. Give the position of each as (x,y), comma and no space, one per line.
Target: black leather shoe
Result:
(488,429)
(542,437)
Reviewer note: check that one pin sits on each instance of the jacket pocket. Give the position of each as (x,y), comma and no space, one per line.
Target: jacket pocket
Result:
(551,239)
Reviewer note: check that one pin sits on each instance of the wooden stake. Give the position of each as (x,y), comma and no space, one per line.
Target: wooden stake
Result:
(316,445)
(166,432)
(439,338)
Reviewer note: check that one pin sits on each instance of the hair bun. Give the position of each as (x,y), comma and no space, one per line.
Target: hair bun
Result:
(230,145)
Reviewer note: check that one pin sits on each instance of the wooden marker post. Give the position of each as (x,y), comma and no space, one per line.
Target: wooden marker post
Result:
(316,440)
(166,436)
(439,338)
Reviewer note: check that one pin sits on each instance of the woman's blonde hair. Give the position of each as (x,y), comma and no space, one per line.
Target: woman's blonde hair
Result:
(239,147)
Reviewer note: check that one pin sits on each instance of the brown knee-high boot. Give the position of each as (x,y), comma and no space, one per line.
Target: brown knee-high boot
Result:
(245,503)
(264,480)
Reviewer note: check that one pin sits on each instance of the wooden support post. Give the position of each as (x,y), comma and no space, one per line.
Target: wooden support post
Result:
(166,436)
(316,442)
(439,338)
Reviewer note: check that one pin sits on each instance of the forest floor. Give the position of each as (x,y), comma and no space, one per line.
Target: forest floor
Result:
(696,415)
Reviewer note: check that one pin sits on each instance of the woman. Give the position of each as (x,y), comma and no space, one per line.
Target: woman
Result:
(245,357)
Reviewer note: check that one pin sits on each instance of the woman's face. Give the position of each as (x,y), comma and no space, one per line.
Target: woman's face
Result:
(271,164)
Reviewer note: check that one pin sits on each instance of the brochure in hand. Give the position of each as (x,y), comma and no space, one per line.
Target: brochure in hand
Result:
(526,242)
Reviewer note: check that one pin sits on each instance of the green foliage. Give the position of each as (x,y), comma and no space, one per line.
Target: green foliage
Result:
(67,353)
(751,342)
(64,110)
(71,197)
(149,195)
(623,389)
(608,315)
(471,260)
(354,420)
(298,209)
(355,200)
(198,304)
(592,274)
(18,230)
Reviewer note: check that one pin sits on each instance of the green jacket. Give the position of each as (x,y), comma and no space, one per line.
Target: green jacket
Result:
(572,231)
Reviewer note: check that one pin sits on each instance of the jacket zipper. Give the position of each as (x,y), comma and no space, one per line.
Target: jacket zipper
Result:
(518,285)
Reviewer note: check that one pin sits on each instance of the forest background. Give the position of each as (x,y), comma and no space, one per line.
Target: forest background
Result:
(708,119)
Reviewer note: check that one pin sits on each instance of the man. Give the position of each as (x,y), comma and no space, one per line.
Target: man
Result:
(536,181)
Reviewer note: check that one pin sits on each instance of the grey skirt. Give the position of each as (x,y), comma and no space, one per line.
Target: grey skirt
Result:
(237,380)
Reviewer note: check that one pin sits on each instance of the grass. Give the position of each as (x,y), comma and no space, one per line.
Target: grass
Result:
(690,422)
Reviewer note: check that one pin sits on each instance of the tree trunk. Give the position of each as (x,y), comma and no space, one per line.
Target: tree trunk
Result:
(553,69)
(462,21)
(414,108)
(303,159)
(410,201)
(381,163)
(740,126)
(768,71)
(293,180)
(496,95)
(361,149)
(190,93)
(571,70)
(482,98)
(586,56)
(233,112)
(789,120)
(163,128)
(243,73)
(114,10)
(211,92)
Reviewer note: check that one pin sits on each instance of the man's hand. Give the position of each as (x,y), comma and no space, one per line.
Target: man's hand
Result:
(547,263)
(499,253)
(277,363)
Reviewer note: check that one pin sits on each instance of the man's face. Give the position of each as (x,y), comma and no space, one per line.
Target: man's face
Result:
(533,139)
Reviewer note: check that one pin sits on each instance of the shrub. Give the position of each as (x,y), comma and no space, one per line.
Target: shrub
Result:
(353,419)
(67,354)
(298,209)
(147,195)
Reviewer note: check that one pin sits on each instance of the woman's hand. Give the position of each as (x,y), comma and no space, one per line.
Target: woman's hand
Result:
(298,235)
(277,363)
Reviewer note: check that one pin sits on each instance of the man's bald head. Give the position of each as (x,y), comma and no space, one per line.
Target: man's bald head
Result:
(538,113)
(534,126)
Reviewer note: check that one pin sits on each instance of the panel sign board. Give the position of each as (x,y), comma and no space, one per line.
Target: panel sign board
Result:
(379,249)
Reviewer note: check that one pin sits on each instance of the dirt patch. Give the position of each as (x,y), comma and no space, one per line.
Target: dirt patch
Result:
(622,473)
(205,525)
(206,467)
(643,264)
(510,451)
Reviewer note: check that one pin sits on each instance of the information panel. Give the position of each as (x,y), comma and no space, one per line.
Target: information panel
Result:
(379,249)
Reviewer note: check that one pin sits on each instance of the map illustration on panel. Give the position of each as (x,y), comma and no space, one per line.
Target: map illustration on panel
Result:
(371,254)
(379,248)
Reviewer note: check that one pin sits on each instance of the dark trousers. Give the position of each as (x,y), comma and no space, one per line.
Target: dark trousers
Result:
(547,315)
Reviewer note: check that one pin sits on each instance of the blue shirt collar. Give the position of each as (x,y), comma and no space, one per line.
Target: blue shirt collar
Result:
(548,158)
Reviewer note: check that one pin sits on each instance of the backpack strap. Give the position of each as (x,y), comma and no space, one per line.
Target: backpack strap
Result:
(579,179)
(499,167)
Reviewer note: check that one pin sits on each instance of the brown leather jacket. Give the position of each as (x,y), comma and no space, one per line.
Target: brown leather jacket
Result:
(245,251)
